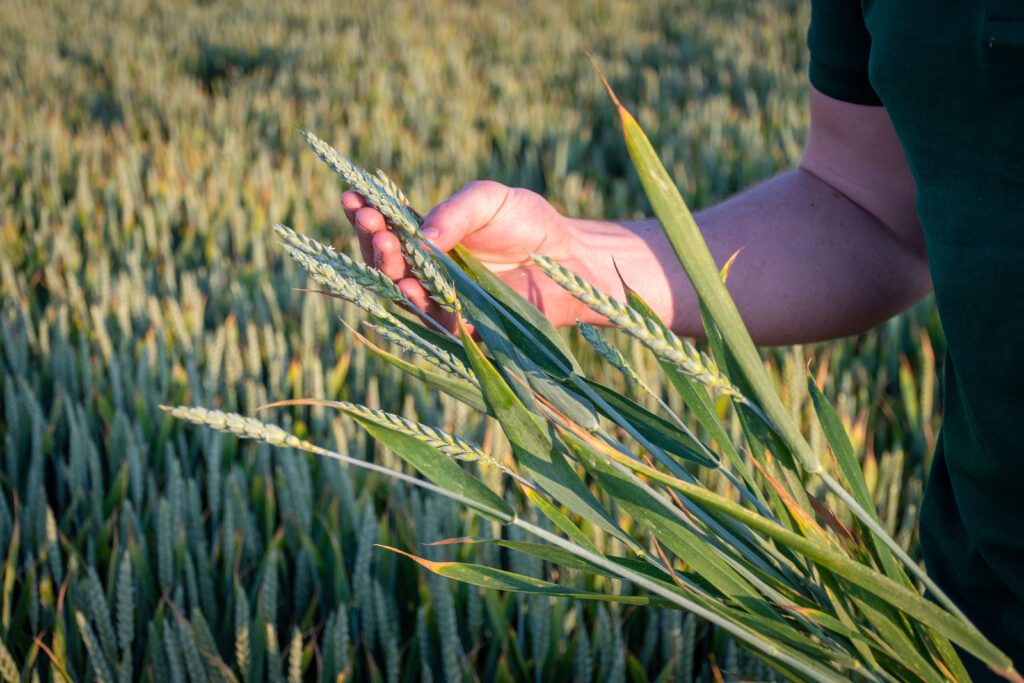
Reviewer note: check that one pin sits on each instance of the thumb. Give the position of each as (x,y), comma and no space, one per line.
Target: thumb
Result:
(466,211)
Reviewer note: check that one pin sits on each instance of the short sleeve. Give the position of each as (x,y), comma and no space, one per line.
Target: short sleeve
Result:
(840,45)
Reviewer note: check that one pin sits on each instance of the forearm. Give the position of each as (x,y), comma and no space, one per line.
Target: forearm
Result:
(813,264)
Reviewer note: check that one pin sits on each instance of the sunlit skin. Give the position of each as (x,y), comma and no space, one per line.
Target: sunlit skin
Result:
(829,249)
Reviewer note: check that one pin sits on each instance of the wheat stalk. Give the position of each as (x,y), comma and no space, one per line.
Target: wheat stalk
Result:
(397,214)
(660,340)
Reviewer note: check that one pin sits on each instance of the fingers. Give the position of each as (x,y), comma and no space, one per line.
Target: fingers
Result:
(368,222)
(468,210)
(387,255)
(352,202)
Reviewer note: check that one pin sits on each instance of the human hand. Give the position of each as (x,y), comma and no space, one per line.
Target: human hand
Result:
(501,225)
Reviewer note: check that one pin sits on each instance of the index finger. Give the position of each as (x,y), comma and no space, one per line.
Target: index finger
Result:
(351,202)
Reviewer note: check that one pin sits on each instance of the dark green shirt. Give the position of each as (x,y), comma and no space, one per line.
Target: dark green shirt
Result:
(950,74)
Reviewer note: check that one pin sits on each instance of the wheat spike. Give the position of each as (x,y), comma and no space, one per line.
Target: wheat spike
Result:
(295,657)
(125,615)
(408,341)
(365,184)
(345,270)
(193,660)
(165,544)
(453,446)
(334,644)
(96,661)
(324,273)
(361,573)
(273,654)
(611,355)
(245,427)
(398,216)
(395,191)
(216,666)
(360,273)
(8,667)
(655,336)
(99,610)
(242,652)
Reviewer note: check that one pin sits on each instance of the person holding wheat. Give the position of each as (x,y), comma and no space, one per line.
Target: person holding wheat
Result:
(911,179)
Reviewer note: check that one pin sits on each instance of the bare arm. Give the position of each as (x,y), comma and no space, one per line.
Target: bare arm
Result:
(829,249)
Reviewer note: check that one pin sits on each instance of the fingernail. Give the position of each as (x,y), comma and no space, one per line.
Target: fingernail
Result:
(378,258)
(431,233)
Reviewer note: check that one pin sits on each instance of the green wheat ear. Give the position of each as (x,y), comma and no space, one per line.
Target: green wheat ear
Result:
(326,274)
(399,216)
(661,341)
(611,355)
(359,273)
(453,446)
(408,341)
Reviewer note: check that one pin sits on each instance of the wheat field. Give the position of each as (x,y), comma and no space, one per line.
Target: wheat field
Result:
(147,149)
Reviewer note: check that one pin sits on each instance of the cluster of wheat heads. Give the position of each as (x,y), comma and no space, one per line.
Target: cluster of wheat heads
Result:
(772,564)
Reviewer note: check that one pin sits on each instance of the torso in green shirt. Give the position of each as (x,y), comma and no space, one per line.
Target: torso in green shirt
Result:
(950,74)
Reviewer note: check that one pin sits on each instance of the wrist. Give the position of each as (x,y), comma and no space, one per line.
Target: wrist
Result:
(589,257)
(636,253)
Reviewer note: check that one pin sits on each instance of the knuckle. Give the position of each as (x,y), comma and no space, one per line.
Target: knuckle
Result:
(486,186)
